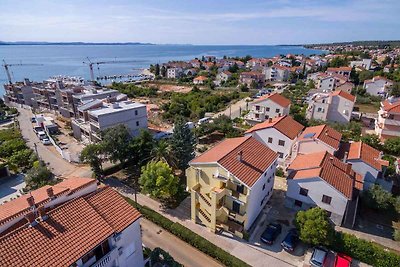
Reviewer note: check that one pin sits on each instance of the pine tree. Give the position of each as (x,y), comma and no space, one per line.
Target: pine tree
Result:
(183,143)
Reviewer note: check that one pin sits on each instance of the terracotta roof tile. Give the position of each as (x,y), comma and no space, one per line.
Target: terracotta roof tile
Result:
(324,133)
(285,124)
(252,165)
(366,153)
(339,69)
(393,107)
(344,95)
(277,98)
(70,231)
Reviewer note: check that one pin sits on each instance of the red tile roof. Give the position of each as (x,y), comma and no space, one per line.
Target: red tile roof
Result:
(252,165)
(345,95)
(339,69)
(324,133)
(19,206)
(368,154)
(327,167)
(392,107)
(277,98)
(70,231)
(285,124)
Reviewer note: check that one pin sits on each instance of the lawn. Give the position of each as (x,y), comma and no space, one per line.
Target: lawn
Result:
(367,108)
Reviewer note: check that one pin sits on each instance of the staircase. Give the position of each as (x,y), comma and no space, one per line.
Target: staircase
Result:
(205,199)
(205,216)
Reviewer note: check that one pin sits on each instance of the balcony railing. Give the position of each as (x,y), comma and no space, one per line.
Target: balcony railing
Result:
(104,261)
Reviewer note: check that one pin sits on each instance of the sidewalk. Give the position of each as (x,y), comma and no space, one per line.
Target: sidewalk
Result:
(252,255)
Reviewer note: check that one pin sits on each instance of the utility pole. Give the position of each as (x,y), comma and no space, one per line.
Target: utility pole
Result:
(37,154)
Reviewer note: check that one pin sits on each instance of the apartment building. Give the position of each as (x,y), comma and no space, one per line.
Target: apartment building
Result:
(336,106)
(378,86)
(365,63)
(345,71)
(268,106)
(316,139)
(279,134)
(19,93)
(276,73)
(322,180)
(387,125)
(367,162)
(231,183)
(72,223)
(174,73)
(251,78)
(100,116)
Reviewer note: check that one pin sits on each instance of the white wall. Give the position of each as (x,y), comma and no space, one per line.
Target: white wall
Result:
(317,187)
(326,84)
(340,109)
(369,173)
(264,114)
(257,194)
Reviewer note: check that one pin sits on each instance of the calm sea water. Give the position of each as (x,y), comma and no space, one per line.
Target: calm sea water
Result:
(68,59)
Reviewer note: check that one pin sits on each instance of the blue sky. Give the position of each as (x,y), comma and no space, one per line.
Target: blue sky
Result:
(200,22)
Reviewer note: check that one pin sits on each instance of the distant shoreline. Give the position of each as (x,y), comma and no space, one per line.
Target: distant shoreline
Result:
(69,43)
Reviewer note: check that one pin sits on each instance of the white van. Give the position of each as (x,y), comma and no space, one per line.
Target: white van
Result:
(203,120)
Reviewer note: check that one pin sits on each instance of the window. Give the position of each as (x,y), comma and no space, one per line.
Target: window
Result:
(266,109)
(319,109)
(257,116)
(269,180)
(326,199)
(136,112)
(269,139)
(240,188)
(281,143)
(277,110)
(328,213)
(257,107)
(298,203)
(280,155)
(303,192)
(137,123)
(262,201)
(263,187)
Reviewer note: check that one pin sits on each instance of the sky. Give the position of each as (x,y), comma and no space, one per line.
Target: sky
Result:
(252,22)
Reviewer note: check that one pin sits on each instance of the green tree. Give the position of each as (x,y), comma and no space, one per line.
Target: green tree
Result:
(158,180)
(372,140)
(396,204)
(314,227)
(377,198)
(157,69)
(22,159)
(183,143)
(38,176)
(395,91)
(354,76)
(392,146)
(140,148)
(114,142)
(9,147)
(162,151)
(94,156)
(365,75)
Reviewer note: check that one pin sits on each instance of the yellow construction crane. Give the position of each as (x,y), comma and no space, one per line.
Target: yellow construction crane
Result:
(7,68)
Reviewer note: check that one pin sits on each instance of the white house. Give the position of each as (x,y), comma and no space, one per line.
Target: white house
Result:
(200,80)
(316,139)
(364,63)
(335,106)
(322,180)
(345,71)
(279,134)
(268,106)
(223,76)
(368,162)
(82,224)
(174,73)
(276,73)
(377,86)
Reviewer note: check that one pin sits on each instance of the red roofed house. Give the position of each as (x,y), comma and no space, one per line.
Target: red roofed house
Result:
(200,80)
(377,86)
(367,161)
(345,71)
(231,183)
(268,106)
(276,73)
(336,106)
(252,78)
(316,139)
(279,134)
(72,223)
(388,123)
(322,180)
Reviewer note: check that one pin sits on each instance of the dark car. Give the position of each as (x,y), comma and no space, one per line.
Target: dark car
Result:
(33,119)
(291,240)
(271,233)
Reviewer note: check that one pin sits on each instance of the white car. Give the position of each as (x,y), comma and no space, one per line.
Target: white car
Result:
(46,141)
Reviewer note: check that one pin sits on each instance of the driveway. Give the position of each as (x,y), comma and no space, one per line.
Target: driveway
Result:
(10,187)
(48,154)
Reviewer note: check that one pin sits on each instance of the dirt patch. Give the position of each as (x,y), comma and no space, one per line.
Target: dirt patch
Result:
(172,88)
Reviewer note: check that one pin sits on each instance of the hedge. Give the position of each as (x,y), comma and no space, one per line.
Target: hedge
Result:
(189,236)
(364,250)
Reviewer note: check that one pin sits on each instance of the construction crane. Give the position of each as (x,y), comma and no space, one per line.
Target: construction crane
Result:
(7,68)
(90,64)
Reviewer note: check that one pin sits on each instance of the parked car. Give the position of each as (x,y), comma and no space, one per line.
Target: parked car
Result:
(291,240)
(33,120)
(42,135)
(342,260)
(271,233)
(46,141)
(37,129)
(203,120)
(318,257)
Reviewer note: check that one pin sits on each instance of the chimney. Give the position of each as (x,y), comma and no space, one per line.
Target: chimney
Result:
(42,213)
(30,217)
(331,159)
(31,201)
(269,119)
(240,156)
(346,154)
(50,192)
(348,168)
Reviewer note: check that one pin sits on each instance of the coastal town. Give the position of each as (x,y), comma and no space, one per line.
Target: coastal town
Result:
(291,160)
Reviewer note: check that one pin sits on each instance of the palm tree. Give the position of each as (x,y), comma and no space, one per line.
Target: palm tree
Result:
(162,151)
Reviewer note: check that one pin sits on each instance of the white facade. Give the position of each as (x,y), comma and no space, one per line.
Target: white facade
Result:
(316,187)
(264,109)
(330,107)
(174,73)
(377,87)
(326,84)
(364,63)
(311,146)
(275,73)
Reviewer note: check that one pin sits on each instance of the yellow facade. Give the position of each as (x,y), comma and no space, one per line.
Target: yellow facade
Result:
(218,199)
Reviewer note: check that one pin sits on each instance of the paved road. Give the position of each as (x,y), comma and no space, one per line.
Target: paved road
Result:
(154,236)
(57,164)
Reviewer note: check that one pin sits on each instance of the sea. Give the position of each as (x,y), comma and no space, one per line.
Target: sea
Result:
(43,61)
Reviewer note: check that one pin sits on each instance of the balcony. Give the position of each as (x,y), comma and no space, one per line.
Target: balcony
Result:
(105,261)
(391,122)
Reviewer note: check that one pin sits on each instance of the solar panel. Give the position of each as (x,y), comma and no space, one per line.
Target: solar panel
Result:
(309,135)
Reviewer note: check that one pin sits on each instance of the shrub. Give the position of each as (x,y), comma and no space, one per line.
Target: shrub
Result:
(279,172)
(396,235)
(189,236)
(377,198)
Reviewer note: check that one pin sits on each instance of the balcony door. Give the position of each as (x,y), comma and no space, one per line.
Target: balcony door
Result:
(236,206)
